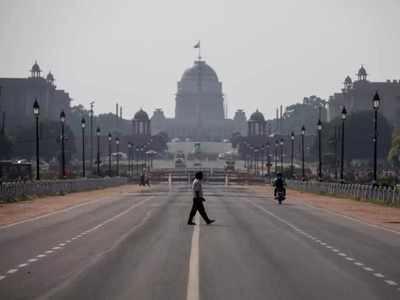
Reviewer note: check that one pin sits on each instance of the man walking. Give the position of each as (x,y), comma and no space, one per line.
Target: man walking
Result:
(198,200)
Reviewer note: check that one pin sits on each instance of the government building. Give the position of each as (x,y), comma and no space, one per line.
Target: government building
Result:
(357,96)
(17,96)
(199,109)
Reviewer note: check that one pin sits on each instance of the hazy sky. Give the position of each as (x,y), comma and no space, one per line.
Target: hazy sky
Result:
(265,52)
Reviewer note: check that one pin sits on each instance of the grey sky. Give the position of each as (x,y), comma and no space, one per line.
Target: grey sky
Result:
(265,52)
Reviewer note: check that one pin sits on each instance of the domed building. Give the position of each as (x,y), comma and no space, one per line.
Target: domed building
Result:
(199,108)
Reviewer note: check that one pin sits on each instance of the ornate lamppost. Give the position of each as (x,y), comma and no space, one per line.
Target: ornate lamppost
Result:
(83,125)
(281,143)
(98,150)
(344,116)
(276,156)
(292,154)
(36,112)
(117,143)
(303,132)
(62,119)
(109,137)
(129,158)
(256,161)
(319,127)
(375,104)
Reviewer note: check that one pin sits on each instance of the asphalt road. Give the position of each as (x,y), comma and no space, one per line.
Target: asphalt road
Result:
(138,246)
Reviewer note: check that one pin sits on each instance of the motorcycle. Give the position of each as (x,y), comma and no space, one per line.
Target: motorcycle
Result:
(280,196)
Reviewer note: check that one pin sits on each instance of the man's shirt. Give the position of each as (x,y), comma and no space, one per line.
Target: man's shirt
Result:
(196,187)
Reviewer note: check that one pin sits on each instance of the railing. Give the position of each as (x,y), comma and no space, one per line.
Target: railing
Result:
(385,195)
(12,191)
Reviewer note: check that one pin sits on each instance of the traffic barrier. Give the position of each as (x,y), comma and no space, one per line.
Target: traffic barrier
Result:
(386,195)
(11,191)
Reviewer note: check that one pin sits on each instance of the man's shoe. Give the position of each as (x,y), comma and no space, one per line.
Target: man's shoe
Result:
(210,222)
(191,223)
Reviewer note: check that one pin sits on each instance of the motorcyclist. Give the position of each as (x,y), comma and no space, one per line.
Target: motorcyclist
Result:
(279,183)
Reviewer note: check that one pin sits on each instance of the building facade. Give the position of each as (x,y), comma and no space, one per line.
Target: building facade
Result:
(18,95)
(357,96)
(199,108)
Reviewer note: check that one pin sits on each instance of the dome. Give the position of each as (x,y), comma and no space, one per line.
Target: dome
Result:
(362,71)
(347,80)
(257,116)
(200,68)
(36,68)
(141,115)
(50,77)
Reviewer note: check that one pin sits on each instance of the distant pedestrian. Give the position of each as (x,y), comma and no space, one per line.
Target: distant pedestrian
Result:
(198,200)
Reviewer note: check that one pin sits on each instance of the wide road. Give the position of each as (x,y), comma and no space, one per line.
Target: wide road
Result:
(138,246)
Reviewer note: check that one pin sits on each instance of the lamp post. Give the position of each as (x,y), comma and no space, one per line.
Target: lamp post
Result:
(91,134)
(292,154)
(137,161)
(62,119)
(262,159)
(98,150)
(319,127)
(276,156)
(83,125)
(256,161)
(36,112)
(268,161)
(375,104)
(281,144)
(344,115)
(109,138)
(142,158)
(117,143)
(303,132)
(129,158)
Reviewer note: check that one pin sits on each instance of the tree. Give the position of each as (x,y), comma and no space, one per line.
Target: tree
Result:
(6,146)
(394,152)
(49,133)
(358,136)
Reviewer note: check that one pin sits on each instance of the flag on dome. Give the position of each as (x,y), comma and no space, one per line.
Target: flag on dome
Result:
(197,45)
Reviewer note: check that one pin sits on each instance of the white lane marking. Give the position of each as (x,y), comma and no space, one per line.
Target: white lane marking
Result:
(133,206)
(12,271)
(2,277)
(22,265)
(41,255)
(193,292)
(53,213)
(352,218)
(379,275)
(49,251)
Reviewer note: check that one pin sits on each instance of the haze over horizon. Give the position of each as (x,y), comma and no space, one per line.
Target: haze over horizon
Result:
(266,53)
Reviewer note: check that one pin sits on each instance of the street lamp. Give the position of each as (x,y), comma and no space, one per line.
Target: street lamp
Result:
(303,132)
(344,116)
(292,154)
(98,150)
(142,159)
(276,156)
(83,125)
(117,143)
(268,161)
(109,153)
(281,143)
(319,127)
(91,134)
(137,161)
(256,161)
(36,112)
(262,159)
(375,104)
(129,158)
(62,119)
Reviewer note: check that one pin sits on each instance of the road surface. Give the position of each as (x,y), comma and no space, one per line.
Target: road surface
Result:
(138,246)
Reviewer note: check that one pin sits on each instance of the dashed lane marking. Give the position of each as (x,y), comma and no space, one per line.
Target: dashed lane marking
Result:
(62,245)
(192,291)
(322,243)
